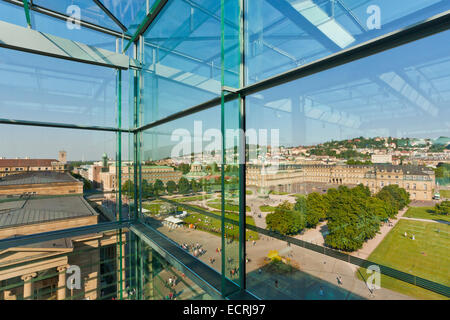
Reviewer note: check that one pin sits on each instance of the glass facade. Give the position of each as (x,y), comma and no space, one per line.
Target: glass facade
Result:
(232,149)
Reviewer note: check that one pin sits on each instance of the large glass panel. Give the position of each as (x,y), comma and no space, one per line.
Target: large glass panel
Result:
(53,179)
(38,88)
(343,168)
(180,176)
(182,58)
(157,279)
(284,34)
(12,14)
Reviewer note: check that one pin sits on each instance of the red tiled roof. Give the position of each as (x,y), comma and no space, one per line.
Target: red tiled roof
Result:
(26,162)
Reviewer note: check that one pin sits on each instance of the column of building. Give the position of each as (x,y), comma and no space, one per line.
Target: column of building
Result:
(28,285)
(61,293)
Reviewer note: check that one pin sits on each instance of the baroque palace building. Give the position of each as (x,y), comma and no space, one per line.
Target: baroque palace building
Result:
(419,181)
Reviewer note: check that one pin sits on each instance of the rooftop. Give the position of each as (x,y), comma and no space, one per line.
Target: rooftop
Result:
(26,162)
(43,210)
(36,177)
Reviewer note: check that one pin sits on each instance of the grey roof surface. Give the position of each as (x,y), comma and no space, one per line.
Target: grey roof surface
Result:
(49,209)
(36,177)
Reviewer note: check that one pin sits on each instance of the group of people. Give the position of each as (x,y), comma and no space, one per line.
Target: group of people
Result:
(413,237)
(172,281)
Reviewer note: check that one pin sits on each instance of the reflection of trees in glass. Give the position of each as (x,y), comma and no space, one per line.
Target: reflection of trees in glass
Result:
(171,187)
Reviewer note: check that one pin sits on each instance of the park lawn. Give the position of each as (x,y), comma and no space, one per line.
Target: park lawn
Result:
(228,207)
(444,193)
(193,198)
(425,213)
(231,230)
(153,207)
(401,253)
(267,208)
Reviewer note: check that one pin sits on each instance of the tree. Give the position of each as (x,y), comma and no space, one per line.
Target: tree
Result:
(195,186)
(396,196)
(184,187)
(351,220)
(158,187)
(184,167)
(316,209)
(128,188)
(147,189)
(442,208)
(286,220)
(171,187)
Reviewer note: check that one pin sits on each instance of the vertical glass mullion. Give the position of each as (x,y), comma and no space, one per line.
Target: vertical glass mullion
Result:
(233,139)
(242,154)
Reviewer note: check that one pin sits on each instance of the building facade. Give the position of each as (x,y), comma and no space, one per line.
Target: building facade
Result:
(419,181)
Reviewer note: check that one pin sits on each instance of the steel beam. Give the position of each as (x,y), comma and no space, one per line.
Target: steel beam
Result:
(109,14)
(151,16)
(59,125)
(32,41)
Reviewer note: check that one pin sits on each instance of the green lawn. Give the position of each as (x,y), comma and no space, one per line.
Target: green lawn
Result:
(228,206)
(193,198)
(153,207)
(426,256)
(213,225)
(425,213)
(267,208)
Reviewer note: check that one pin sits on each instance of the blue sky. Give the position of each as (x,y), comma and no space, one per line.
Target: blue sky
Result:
(403,92)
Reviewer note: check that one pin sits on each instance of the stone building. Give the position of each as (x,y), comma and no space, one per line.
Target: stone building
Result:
(38,271)
(153,173)
(419,181)
(40,183)
(15,166)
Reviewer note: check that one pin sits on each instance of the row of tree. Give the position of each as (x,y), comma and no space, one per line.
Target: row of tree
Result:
(149,189)
(184,186)
(353,215)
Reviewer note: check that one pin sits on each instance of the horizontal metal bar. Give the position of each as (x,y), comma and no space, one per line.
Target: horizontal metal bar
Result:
(61,16)
(64,233)
(60,125)
(200,107)
(28,40)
